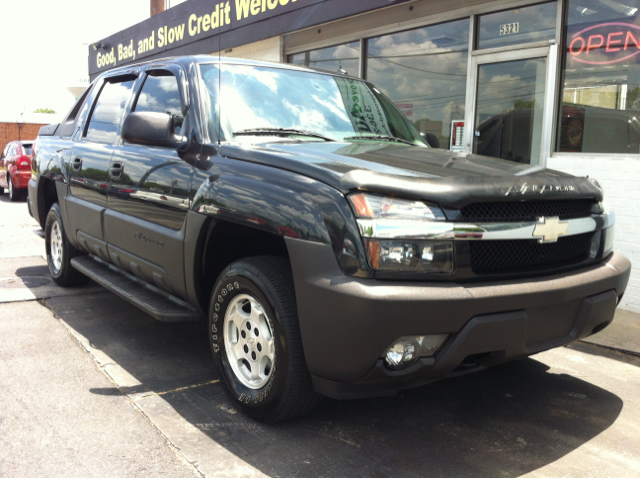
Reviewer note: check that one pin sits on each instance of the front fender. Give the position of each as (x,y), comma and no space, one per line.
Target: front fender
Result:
(261,205)
(244,186)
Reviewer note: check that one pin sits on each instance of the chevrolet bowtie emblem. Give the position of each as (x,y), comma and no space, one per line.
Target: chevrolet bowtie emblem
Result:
(549,229)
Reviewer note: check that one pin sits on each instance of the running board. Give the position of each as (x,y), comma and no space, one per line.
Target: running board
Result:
(149,298)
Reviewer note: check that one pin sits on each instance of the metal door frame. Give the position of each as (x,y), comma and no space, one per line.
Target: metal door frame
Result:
(520,52)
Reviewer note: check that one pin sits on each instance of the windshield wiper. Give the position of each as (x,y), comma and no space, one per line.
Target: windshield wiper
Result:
(381,138)
(281,131)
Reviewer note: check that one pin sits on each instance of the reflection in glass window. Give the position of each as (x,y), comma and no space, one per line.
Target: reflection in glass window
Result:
(342,57)
(601,96)
(160,94)
(108,111)
(508,119)
(424,72)
(254,98)
(521,25)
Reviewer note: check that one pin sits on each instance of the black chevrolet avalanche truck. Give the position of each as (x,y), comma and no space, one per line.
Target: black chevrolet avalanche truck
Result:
(332,251)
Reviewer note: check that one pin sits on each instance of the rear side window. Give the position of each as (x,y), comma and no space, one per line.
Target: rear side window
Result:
(66,128)
(108,111)
(160,94)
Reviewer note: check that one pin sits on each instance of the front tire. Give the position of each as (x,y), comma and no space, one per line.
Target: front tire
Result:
(255,340)
(60,251)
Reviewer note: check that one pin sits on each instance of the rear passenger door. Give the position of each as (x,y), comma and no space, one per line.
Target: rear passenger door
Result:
(90,162)
(149,192)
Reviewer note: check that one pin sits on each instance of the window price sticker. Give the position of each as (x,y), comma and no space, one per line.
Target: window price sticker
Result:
(510,28)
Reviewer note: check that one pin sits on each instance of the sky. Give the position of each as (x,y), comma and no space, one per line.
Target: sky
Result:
(43,51)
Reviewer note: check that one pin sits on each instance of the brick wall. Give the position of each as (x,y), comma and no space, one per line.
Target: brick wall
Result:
(620,178)
(11,132)
(156,6)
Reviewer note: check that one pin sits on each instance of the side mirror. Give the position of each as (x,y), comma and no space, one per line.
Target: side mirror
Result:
(151,128)
(431,139)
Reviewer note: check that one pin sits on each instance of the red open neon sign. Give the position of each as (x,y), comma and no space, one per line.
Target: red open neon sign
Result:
(621,40)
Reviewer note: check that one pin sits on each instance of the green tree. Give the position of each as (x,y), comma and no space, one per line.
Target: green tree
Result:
(44,110)
(524,104)
(633,97)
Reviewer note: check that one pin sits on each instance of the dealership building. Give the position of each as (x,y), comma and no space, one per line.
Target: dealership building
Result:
(553,84)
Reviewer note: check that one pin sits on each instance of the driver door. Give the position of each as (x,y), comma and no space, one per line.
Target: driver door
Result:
(149,193)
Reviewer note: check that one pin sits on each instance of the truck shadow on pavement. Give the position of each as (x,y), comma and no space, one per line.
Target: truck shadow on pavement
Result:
(507,421)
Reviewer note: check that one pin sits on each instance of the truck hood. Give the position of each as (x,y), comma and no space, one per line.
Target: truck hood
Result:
(414,172)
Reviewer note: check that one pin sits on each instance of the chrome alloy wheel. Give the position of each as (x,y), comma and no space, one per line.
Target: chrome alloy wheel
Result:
(10,184)
(56,246)
(249,341)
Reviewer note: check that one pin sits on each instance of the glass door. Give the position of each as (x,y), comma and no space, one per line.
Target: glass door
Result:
(512,102)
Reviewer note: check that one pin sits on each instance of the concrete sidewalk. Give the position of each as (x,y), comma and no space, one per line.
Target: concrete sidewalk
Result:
(623,334)
(51,422)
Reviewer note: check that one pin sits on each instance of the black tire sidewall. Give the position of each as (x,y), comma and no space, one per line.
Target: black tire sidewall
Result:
(256,402)
(55,215)
(11,187)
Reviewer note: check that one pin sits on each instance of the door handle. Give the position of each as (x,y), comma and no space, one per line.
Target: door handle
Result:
(116,169)
(77,164)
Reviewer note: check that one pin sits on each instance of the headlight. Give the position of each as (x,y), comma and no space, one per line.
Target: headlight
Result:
(609,236)
(410,255)
(390,225)
(374,206)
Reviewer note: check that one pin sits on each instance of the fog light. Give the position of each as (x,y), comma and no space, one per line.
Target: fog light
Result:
(406,350)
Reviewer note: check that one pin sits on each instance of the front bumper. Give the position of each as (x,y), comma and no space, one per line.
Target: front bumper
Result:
(347,323)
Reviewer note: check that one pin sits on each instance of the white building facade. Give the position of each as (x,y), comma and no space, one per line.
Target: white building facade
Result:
(550,84)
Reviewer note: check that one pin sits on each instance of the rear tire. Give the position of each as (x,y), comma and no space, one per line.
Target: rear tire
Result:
(60,251)
(255,340)
(13,194)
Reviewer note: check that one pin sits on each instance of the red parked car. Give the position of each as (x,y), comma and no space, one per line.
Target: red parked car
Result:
(15,168)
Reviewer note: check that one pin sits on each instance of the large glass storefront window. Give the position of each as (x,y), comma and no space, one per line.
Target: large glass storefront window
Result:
(600,110)
(424,72)
(519,25)
(341,57)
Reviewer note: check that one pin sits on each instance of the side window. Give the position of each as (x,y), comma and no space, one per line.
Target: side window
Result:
(160,94)
(108,111)
(66,128)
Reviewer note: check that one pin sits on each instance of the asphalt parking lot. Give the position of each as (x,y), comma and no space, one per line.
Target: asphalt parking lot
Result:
(90,386)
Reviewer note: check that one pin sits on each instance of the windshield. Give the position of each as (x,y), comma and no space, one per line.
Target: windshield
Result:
(256,98)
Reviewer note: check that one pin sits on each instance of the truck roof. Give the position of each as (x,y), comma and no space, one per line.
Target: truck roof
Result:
(222,60)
